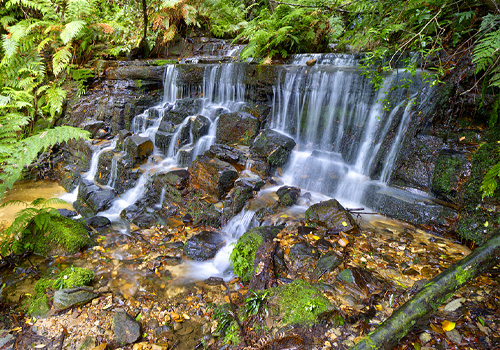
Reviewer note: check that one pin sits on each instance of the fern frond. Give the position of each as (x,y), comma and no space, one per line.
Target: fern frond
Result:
(61,59)
(78,9)
(9,46)
(55,99)
(490,184)
(72,30)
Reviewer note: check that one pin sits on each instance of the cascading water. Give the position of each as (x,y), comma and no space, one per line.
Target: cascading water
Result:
(331,110)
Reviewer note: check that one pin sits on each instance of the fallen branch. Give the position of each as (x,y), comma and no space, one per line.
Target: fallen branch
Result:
(434,293)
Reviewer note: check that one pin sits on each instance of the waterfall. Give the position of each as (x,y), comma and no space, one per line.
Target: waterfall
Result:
(90,175)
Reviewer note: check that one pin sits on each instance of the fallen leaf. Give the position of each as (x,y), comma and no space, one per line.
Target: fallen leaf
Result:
(454,305)
(344,223)
(462,138)
(448,325)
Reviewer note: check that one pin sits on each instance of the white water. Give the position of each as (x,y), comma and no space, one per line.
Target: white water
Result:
(90,175)
(332,112)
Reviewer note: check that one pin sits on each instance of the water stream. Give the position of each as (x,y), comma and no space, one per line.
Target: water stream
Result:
(337,119)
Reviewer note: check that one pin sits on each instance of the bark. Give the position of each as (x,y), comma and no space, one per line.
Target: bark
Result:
(435,293)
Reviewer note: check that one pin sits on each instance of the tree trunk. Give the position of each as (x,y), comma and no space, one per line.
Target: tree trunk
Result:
(435,293)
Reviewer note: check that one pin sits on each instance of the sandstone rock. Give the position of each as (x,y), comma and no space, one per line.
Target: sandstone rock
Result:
(138,148)
(237,127)
(66,298)
(331,215)
(213,176)
(273,146)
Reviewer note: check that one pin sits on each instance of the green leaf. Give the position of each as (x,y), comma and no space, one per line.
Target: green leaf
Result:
(72,30)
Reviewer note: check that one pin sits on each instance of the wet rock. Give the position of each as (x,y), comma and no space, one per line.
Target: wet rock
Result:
(122,135)
(237,198)
(204,245)
(67,213)
(226,153)
(264,274)
(98,222)
(144,220)
(127,330)
(97,128)
(288,195)
(175,178)
(162,141)
(273,146)
(66,298)
(213,176)
(328,263)
(188,106)
(360,283)
(409,207)
(199,127)
(100,200)
(301,260)
(261,111)
(332,215)
(449,170)
(237,128)
(138,148)
(184,156)
(311,62)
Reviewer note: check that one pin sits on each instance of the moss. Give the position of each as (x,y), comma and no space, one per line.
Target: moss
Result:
(243,254)
(74,277)
(50,233)
(82,74)
(43,284)
(39,306)
(163,62)
(300,303)
(445,174)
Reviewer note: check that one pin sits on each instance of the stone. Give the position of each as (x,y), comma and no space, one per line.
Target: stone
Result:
(199,127)
(328,262)
(213,176)
(360,283)
(311,62)
(331,215)
(237,128)
(101,199)
(162,141)
(188,106)
(227,154)
(302,258)
(127,330)
(66,298)
(138,149)
(273,146)
(67,213)
(288,195)
(204,245)
(95,128)
(98,222)
(450,168)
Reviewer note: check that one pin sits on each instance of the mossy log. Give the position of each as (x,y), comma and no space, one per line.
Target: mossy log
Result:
(435,293)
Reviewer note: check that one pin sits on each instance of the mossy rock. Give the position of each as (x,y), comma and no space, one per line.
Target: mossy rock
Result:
(449,169)
(50,234)
(68,278)
(243,254)
(39,307)
(300,303)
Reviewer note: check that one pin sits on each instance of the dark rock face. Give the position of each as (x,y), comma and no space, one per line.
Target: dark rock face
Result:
(227,154)
(449,169)
(412,208)
(332,215)
(98,222)
(199,127)
(138,149)
(273,147)
(237,127)
(127,329)
(95,197)
(97,128)
(288,195)
(204,245)
(213,176)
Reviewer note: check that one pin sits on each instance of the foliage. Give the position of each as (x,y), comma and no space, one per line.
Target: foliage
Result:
(40,228)
(68,278)
(255,301)
(286,30)
(299,303)
(224,17)
(243,255)
(226,324)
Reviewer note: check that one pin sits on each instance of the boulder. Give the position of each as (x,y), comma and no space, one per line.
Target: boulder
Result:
(331,215)
(97,128)
(98,222)
(213,176)
(122,135)
(66,298)
(188,106)
(162,141)
(273,146)
(204,245)
(199,127)
(288,195)
(227,154)
(302,259)
(138,149)
(127,330)
(101,199)
(450,169)
(237,127)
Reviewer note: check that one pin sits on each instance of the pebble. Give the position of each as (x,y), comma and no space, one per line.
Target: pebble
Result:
(177,326)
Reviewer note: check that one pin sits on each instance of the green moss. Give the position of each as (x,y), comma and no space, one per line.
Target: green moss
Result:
(300,303)
(82,74)
(445,174)
(43,284)
(74,277)
(243,254)
(39,306)
(462,276)
(49,234)
(163,62)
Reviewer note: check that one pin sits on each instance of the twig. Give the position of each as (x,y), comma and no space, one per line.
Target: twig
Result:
(235,315)
(61,338)
(175,344)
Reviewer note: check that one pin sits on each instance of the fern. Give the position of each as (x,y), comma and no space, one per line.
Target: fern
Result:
(61,59)
(39,228)
(72,30)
